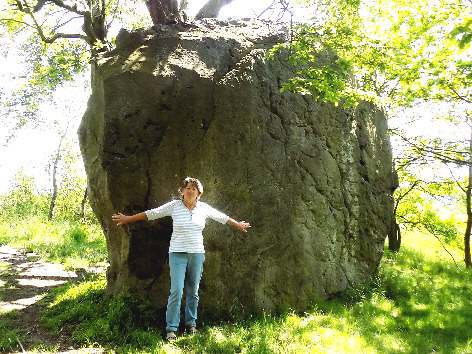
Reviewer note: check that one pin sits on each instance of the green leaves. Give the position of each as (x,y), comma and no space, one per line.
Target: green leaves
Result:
(53,41)
(391,51)
(461,35)
(54,64)
(323,83)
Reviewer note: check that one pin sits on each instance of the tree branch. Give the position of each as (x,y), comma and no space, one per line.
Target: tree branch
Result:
(39,5)
(445,249)
(66,35)
(72,8)
(16,21)
(46,39)
(460,97)
(438,154)
(65,23)
(267,9)
(455,179)
(401,196)
(284,7)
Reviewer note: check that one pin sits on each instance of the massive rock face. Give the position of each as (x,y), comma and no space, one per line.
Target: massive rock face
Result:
(200,100)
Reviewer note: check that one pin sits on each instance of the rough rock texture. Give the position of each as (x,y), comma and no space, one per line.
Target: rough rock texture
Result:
(314,180)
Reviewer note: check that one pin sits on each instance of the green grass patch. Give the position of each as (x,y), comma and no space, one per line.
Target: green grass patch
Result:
(418,303)
(118,321)
(8,336)
(74,244)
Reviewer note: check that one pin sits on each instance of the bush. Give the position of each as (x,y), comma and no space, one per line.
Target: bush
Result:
(22,200)
(76,234)
(67,238)
(74,244)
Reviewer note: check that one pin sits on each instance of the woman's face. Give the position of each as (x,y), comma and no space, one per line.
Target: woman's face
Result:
(190,192)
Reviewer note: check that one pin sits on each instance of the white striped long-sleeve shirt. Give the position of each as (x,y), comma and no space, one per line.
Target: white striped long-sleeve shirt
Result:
(188,224)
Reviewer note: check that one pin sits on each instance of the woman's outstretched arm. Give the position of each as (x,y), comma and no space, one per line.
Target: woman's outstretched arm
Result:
(122,219)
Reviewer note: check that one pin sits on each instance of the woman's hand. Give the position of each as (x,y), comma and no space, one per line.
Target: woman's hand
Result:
(120,219)
(243,226)
(240,225)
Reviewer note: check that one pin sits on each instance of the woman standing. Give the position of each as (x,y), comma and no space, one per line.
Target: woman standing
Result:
(186,251)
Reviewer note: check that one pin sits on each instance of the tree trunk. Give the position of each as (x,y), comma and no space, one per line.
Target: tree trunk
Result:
(163,11)
(394,236)
(94,26)
(167,11)
(54,173)
(54,182)
(212,8)
(82,205)
(467,258)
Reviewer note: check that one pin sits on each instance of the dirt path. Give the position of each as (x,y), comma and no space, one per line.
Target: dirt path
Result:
(24,281)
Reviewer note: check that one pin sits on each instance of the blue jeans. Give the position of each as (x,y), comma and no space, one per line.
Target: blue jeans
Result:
(185,268)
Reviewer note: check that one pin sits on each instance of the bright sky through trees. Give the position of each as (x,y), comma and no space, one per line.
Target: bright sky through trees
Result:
(30,152)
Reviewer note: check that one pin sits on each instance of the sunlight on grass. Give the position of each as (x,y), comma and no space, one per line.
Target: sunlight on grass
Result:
(72,244)
(321,334)
(3,269)
(170,349)
(419,302)
(74,291)
(430,247)
(4,266)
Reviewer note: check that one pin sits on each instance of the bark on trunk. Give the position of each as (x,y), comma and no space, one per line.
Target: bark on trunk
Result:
(94,26)
(82,205)
(467,258)
(54,182)
(163,11)
(394,236)
(57,159)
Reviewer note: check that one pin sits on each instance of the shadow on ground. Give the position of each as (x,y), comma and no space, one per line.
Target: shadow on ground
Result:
(24,281)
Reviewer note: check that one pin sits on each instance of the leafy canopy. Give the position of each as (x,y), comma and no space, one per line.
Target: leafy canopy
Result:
(389,51)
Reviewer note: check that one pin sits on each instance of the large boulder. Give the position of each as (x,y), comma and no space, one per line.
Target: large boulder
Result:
(314,180)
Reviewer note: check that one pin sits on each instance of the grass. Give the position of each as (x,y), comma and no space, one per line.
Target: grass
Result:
(71,243)
(97,318)
(418,303)
(8,336)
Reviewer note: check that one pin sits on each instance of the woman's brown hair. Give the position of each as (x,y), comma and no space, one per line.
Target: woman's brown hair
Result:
(193,181)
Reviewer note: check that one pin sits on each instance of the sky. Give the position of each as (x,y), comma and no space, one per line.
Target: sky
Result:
(246,9)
